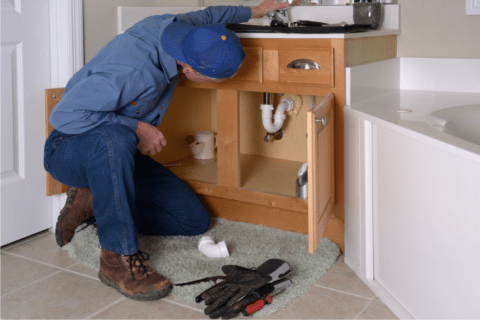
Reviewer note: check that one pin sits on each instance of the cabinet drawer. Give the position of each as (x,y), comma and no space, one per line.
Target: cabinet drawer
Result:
(251,69)
(322,57)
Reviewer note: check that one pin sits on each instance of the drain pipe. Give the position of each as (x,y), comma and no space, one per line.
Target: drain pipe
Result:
(279,116)
(207,246)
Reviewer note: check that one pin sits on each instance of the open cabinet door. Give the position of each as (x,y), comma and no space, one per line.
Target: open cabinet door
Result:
(320,131)
(52,97)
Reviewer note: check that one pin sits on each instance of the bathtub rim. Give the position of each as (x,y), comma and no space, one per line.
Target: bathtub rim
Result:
(381,110)
(449,117)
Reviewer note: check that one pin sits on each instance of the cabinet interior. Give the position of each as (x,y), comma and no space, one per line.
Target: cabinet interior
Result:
(270,167)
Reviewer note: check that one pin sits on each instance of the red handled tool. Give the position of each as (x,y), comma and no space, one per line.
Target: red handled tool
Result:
(257,305)
(265,294)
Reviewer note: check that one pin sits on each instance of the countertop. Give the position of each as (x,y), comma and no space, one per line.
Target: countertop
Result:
(372,33)
(405,112)
(127,16)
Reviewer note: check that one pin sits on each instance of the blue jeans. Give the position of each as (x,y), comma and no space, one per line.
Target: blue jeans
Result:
(131,192)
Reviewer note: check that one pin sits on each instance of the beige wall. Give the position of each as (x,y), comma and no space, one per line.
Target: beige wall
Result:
(100,17)
(438,29)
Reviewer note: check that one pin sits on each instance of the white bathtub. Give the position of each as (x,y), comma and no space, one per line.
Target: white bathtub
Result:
(412,186)
(462,122)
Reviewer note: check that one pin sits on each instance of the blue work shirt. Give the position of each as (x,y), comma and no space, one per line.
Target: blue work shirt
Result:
(132,78)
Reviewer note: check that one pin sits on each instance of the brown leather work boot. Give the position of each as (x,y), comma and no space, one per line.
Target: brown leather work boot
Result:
(132,276)
(77,209)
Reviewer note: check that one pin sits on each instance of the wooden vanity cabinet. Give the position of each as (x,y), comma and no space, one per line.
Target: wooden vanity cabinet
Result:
(249,184)
(265,69)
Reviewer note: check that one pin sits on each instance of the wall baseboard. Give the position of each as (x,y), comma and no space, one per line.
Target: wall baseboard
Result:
(383,295)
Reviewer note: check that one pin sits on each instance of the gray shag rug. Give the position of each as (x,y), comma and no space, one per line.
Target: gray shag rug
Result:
(249,245)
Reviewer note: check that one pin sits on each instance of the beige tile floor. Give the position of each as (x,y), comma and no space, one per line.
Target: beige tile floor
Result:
(40,281)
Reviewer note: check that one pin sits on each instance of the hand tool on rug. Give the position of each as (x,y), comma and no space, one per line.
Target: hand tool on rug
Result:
(223,298)
(263,296)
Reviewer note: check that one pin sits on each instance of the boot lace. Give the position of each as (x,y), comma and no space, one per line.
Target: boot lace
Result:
(90,221)
(137,261)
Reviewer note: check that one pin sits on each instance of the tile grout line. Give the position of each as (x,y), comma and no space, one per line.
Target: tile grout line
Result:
(106,307)
(365,309)
(38,280)
(183,305)
(54,266)
(82,274)
(30,259)
(352,294)
(60,269)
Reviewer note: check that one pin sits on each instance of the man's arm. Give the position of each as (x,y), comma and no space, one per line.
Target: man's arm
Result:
(229,14)
(94,100)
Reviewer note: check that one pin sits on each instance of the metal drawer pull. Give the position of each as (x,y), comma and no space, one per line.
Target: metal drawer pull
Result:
(323,121)
(303,64)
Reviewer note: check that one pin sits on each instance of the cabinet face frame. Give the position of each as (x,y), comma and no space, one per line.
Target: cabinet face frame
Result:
(270,83)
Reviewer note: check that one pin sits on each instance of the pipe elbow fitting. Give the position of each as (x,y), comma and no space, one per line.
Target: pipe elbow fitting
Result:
(210,249)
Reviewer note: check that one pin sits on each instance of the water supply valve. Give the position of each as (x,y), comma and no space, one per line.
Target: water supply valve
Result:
(275,135)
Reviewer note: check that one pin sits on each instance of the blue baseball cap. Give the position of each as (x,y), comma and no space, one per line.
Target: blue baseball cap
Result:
(212,50)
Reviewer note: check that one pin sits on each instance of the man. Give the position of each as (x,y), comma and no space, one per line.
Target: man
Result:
(105,129)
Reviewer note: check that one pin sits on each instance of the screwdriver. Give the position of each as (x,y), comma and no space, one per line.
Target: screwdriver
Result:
(257,305)
(266,298)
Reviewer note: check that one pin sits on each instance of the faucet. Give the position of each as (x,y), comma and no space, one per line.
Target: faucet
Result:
(278,18)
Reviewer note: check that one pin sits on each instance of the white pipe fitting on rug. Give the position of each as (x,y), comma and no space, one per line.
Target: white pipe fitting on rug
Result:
(279,116)
(207,246)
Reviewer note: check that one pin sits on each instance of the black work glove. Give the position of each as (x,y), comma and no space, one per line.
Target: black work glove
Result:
(221,298)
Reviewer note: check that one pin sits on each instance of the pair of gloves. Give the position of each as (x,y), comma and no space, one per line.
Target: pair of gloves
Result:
(226,299)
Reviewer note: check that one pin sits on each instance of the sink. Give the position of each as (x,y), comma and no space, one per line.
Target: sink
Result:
(331,16)
(326,14)
(248,28)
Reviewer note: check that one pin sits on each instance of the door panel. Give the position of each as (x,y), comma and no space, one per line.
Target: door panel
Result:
(25,48)
(320,131)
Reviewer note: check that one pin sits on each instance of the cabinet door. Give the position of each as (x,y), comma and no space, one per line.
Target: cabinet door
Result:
(320,131)
(52,97)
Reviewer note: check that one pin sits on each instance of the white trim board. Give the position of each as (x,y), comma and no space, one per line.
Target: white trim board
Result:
(66,39)
(66,47)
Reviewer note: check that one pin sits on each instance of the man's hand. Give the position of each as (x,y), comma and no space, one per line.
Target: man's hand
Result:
(151,139)
(265,6)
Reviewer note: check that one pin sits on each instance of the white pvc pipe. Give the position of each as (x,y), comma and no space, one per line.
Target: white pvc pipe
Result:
(207,247)
(279,116)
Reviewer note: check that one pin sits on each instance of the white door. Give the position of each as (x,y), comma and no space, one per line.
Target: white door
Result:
(25,63)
